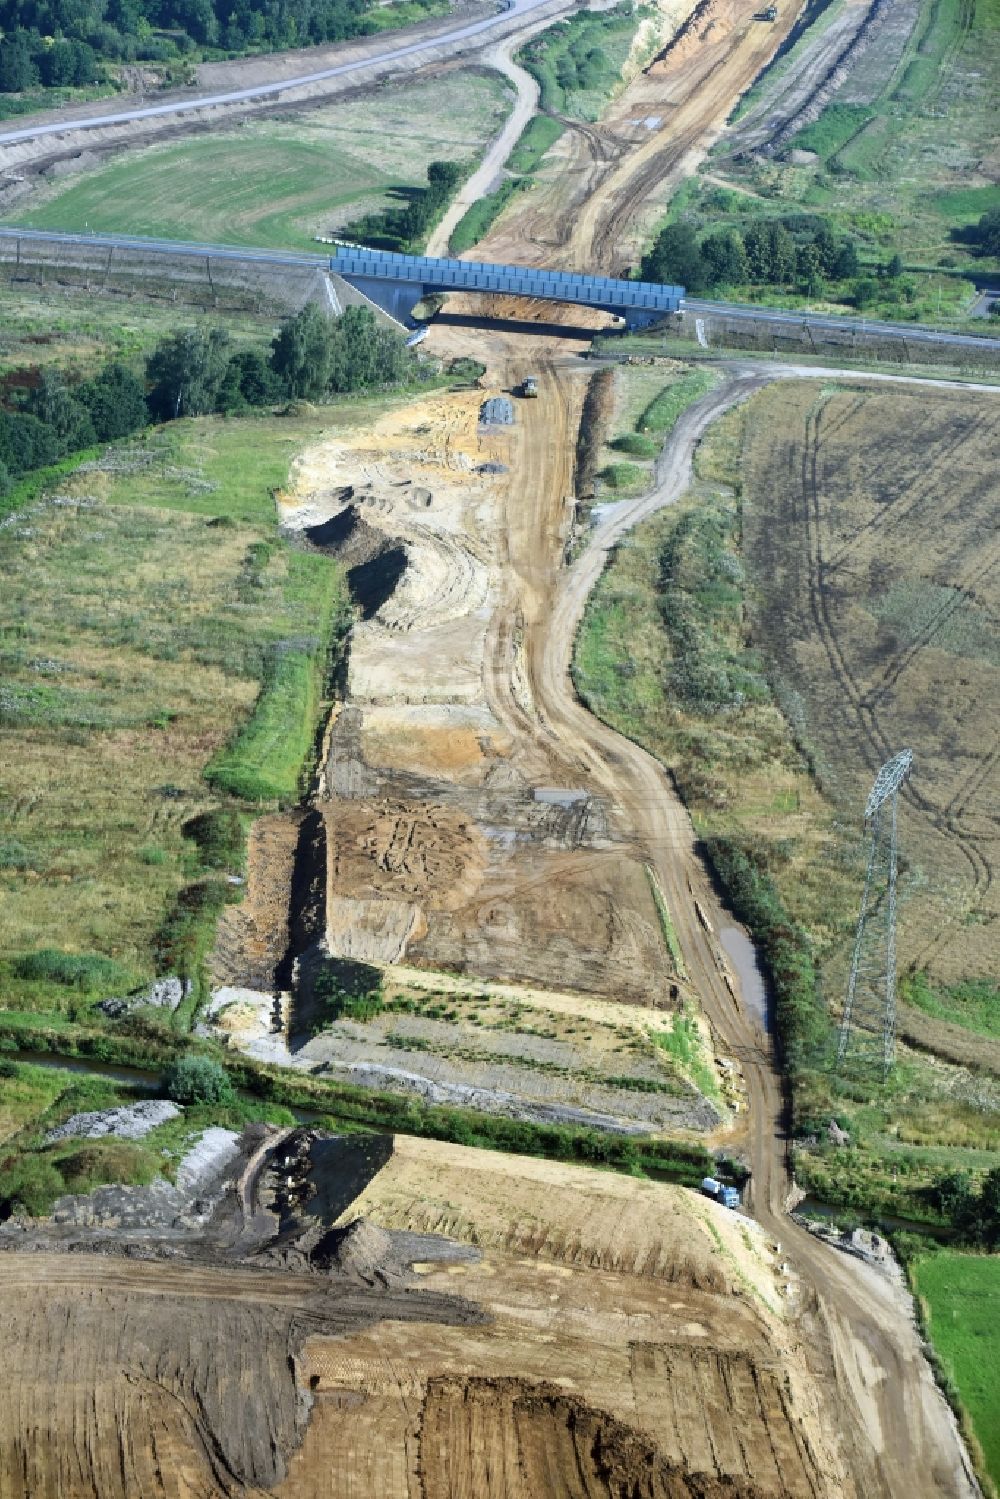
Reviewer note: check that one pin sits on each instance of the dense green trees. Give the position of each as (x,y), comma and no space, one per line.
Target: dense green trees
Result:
(301,354)
(192,373)
(986,234)
(186,372)
(60,42)
(798,250)
(976,1215)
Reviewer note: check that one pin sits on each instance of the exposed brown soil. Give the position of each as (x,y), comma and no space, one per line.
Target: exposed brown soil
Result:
(595,421)
(497,1438)
(253,937)
(182,1382)
(609,182)
(369,1317)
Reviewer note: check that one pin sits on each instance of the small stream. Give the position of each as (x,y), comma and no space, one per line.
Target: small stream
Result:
(144,1081)
(813,1207)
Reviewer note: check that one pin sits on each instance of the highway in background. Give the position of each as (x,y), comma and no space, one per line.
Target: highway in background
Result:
(912,332)
(425,49)
(908,332)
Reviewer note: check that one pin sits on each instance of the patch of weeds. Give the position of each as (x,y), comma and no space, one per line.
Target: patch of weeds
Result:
(343,989)
(683,1043)
(635,444)
(88,973)
(625,477)
(220,838)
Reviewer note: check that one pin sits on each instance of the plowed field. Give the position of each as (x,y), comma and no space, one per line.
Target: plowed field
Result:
(870,525)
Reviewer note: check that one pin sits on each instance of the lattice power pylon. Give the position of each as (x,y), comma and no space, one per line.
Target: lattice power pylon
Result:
(869,1023)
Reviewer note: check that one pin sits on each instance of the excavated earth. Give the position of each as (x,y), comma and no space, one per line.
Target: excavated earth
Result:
(449,843)
(387,1317)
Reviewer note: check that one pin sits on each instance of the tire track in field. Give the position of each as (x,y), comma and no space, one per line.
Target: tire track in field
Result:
(873,736)
(913,487)
(964,588)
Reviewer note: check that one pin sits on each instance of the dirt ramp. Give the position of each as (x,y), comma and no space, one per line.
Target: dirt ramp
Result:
(509,1439)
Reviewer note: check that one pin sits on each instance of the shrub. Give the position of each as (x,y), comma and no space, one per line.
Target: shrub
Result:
(466,369)
(636,445)
(87,972)
(194,1079)
(93,1163)
(346,990)
(218,834)
(622,475)
(14,855)
(30,1185)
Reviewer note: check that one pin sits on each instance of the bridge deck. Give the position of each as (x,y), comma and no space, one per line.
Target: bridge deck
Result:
(516,280)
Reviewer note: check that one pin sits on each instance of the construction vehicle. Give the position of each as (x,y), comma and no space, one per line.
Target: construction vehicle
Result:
(529,388)
(728,1196)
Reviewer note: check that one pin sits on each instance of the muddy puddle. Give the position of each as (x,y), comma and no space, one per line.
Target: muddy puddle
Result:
(753,985)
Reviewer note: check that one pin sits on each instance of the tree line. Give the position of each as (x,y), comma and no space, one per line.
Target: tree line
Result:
(797,250)
(63,41)
(192,373)
(406,229)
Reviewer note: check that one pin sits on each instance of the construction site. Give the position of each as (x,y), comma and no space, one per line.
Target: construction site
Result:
(488,898)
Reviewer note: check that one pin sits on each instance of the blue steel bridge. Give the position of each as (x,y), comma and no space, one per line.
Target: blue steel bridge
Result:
(396,283)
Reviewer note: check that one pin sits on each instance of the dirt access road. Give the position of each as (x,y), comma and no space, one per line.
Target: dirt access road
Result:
(898,1434)
(882,1378)
(609,181)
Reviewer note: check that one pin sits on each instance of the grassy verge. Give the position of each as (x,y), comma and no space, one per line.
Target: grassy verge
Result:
(267,760)
(652,406)
(658,418)
(975,1005)
(480,217)
(959,1300)
(538,137)
(666,923)
(151,606)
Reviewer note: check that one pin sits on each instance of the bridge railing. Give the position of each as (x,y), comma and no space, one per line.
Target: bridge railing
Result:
(514,280)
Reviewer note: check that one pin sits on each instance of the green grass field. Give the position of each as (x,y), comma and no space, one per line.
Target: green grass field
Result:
(961,1297)
(976,1005)
(149,609)
(69,329)
(279,182)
